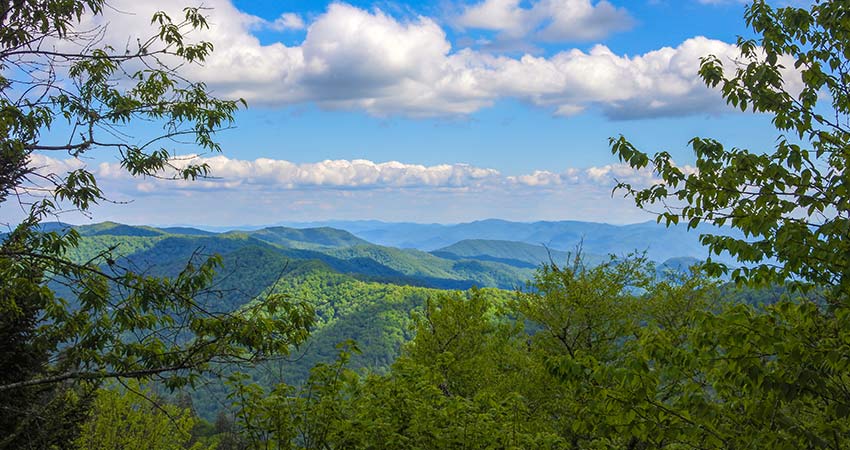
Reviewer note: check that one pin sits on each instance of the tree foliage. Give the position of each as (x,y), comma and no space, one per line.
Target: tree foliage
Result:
(602,357)
(56,78)
(773,377)
(134,418)
(791,202)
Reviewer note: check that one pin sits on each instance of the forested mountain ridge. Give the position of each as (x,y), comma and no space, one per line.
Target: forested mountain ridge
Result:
(514,253)
(362,292)
(661,242)
(148,248)
(359,290)
(658,240)
(308,238)
(463,264)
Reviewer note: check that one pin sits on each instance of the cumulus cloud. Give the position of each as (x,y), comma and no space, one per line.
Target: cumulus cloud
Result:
(287,21)
(358,174)
(354,59)
(368,60)
(47,166)
(265,190)
(548,20)
(266,173)
(501,15)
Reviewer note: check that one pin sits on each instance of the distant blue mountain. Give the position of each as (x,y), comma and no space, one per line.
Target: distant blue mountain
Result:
(188,231)
(307,237)
(519,254)
(659,241)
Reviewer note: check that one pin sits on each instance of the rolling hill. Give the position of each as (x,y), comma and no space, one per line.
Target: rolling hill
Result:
(307,238)
(149,249)
(519,254)
(469,261)
(659,241)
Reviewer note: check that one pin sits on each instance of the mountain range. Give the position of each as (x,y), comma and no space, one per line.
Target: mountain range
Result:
(493,253)
(659,241)
(364,279)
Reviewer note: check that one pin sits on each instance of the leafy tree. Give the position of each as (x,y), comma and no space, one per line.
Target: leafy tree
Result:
(444,392)
(791,202)
(602,357)
(560,366)
(135,419)
(41,416)
(289,417)
(118,324)
(585,310)
(772,377)
(459,337)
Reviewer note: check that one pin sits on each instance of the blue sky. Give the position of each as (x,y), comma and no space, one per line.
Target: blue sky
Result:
(512,135)
(443,111)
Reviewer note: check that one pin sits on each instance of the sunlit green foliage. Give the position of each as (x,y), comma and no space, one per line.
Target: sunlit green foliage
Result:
(132,418)
(603,357)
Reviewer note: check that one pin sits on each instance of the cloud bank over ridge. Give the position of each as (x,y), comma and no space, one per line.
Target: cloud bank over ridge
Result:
(253,191)
(357,174)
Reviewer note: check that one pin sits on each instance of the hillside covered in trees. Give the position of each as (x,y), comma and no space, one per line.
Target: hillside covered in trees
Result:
(357,290)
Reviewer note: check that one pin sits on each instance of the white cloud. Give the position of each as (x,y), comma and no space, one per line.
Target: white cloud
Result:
(358,174)
(548,20)
(267,190)
(351,58)
(501,15)
(264,191)
(538,178)
(288,21)
(266,173)
(47,166)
